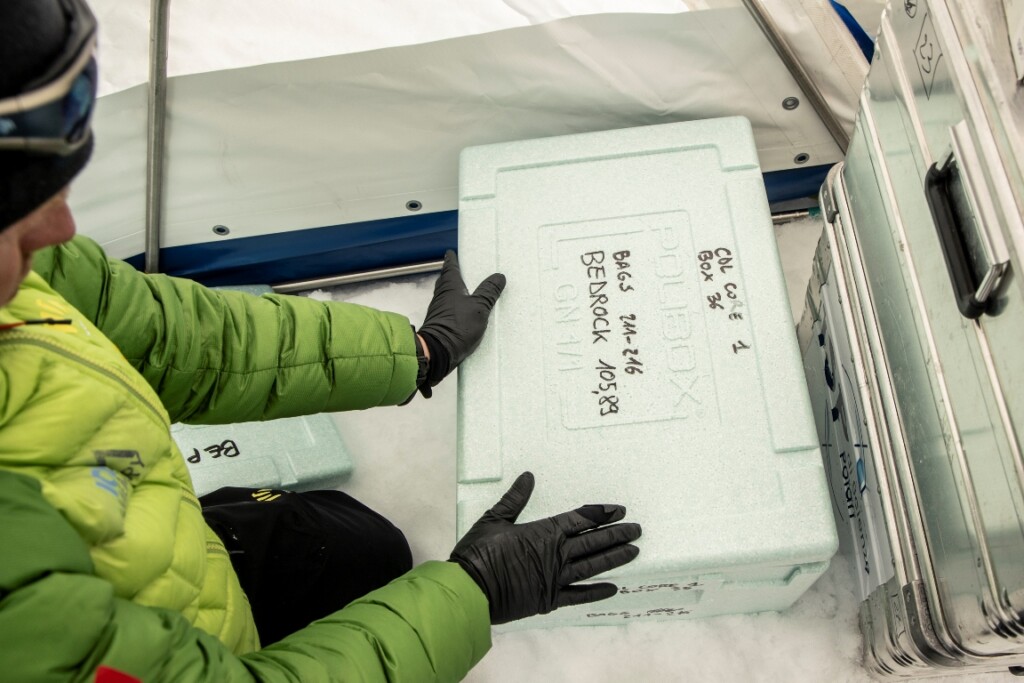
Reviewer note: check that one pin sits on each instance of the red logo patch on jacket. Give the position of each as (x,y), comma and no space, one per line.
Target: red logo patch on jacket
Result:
(105,674)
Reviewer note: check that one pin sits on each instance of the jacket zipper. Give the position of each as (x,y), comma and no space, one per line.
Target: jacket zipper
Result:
(12,337)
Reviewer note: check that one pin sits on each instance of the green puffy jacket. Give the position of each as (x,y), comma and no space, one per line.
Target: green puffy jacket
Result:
(106,558)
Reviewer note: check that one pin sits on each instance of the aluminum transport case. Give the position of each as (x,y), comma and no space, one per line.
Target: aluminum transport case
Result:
(913,343)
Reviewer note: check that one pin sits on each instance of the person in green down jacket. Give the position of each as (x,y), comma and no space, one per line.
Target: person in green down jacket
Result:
(110,568)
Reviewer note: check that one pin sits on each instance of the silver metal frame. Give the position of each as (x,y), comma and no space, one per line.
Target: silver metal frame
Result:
(353,278)
(799,73)
(427,267)
(157,114)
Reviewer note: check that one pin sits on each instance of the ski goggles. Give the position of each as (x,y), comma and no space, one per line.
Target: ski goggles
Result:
(53,117)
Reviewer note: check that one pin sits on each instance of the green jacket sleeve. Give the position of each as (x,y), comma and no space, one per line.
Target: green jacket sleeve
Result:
(218,356)
(58,622)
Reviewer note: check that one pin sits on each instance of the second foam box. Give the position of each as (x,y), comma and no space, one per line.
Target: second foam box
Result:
(644,353)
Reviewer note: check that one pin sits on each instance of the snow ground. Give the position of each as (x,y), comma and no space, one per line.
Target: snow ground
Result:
(405,468)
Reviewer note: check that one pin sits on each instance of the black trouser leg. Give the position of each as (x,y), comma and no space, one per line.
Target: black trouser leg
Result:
(302,556)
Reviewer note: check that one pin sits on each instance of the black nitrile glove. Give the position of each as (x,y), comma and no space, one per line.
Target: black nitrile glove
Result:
(527,569)
(455,320)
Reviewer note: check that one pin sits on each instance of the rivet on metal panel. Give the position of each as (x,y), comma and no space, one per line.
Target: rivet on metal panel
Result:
(790,103)
(413,205)
(221,230)
(801,158)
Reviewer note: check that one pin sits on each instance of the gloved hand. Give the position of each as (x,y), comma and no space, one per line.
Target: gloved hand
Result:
(455,320)
(527,569)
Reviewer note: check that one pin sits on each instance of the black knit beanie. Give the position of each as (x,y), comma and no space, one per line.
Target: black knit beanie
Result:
(32,37)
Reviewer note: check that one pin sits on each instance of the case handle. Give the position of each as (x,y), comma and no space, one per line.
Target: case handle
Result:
(936,183)
(973,297)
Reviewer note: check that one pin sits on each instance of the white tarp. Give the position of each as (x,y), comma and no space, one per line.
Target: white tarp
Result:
(352,137)
(230,34)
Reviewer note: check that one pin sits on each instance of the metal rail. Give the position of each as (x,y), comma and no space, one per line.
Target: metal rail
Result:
(157,114)
(427,267)
(352,278)
(799,73)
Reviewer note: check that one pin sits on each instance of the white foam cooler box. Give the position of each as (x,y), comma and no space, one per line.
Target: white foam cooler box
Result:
(295,453)
(644,353)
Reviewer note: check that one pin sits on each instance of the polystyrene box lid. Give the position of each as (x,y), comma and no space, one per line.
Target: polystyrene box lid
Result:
(297,453)
(643,352)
